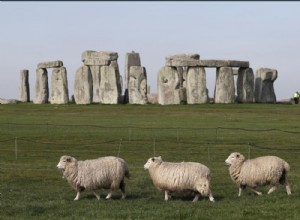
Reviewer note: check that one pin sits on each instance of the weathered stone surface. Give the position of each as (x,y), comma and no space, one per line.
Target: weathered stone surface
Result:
(101,58)
(196,86)
(96,75)
(224,88)
(59,86)
(137,88)
(83,86)
(41,87)
(50,64)
(183,60)
(264,88)
(24,86)
(168,86)
(109,92)
(223,63)
(131,59)
(152,98)
(115,65)
(245,85)
(8,101)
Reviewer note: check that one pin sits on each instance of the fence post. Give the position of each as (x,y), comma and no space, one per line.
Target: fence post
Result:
(154,147)
(16,148)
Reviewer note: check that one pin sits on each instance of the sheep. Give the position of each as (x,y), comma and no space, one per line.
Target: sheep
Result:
(104,172)
(265,170)
(179,177)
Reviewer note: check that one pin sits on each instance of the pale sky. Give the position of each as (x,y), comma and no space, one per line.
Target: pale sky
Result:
(267,34)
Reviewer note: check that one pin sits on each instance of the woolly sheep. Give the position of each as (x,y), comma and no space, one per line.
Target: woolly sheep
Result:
(266,170)
(179,177)
(104,172)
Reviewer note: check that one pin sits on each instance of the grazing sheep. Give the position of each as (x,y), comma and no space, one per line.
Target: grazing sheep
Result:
(267,170)
(179,177)
(104,172)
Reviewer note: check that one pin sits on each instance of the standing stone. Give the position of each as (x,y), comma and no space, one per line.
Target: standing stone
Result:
(245,85)
(41,86)
(224,89)
(96,75)
(196,86)
(137,87)
(264,88)
(109,92)
(131,59)
(83,86)
(24,86)
(59,86)
(168,86)
(115,65)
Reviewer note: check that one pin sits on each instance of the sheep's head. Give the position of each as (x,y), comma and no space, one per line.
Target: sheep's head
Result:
(64,161)
(151,161)
(235,157)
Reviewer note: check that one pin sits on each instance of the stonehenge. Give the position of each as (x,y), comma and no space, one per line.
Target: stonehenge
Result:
(182,80)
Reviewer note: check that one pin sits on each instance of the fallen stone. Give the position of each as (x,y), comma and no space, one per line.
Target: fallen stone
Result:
(8,101)
(50,64)
(245,85)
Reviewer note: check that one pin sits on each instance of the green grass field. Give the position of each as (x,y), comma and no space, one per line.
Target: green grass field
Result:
(33,137)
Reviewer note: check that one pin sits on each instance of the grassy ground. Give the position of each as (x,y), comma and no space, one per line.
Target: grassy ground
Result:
(33,137)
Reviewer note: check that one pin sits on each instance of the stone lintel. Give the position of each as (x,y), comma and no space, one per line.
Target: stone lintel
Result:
(101,58)
(224,63)
(50,64)
(183,60)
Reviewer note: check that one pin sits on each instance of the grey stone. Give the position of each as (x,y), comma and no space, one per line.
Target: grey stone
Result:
(41,87)
(245,85)
(137,88)
(131,59)
(152,98)
(24,86)
(168,86)
(50,64)
(59,86)
(183,60)
(224,88)
(115,65)
(8,101)
(264,85)
(109,92)
(101,58)
(83,86)
(224,63)
(196,86)
(96,75)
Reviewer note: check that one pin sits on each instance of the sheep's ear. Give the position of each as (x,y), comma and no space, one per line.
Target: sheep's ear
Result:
(69,159)
(237,155)
(153,159)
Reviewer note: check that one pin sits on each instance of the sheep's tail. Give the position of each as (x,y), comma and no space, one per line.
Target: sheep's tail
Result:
(286,169)
(286,166)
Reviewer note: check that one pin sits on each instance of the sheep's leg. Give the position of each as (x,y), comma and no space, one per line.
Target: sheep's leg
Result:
(288,188)
(211,198)
(258,193)
(167,195)
(272,189)
(97,196)
(196,197)
(109,195)
(122,187)
(240,190)
(77,196)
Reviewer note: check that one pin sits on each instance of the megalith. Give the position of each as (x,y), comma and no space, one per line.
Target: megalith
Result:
(137,87)
(168,86)
(41,86)
(131,59)
(83,86)
(224,88)
(59,86)
(245,85)
(24,90)
(109,88)
(264,88)
(196,86)
(96,76)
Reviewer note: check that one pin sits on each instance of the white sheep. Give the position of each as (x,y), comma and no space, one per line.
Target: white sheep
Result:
(266,170)
(104,172)
(179,177)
